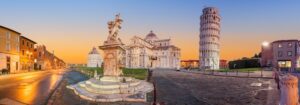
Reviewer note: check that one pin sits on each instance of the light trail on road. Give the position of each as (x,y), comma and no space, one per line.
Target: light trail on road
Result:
(30,88)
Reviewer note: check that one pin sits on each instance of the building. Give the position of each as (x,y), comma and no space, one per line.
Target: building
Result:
(285,54)
(152,52)
(139,53)
(46,60)
(266,55)
(26,54)
(195,64)
(223,64)
(94,59)
(189,63)
(9,49)
(209,39)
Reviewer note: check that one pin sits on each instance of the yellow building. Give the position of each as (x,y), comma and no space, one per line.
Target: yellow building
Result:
(9,49)
(26,54)
(45,60)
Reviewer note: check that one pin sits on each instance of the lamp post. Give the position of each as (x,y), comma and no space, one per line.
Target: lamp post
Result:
(35,64)
(264,44)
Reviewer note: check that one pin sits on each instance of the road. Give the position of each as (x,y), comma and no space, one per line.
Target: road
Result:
(183,88)
(31,88)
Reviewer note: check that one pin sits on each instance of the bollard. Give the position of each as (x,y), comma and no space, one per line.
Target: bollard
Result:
(154,93)
(248,73)
(289,90)
(261,73)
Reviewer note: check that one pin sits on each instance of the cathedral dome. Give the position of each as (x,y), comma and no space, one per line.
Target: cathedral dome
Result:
(151,37)
(94,51)
(94,59)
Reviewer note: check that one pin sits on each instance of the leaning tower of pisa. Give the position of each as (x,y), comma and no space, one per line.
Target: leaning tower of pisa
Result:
(209,49)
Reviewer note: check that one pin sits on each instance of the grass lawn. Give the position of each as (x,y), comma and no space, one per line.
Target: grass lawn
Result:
(90,70)
(251,70)
(135,73)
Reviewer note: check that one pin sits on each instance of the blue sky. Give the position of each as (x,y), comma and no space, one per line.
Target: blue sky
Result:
(83,23)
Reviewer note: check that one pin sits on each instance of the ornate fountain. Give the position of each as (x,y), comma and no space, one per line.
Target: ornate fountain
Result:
(113,86)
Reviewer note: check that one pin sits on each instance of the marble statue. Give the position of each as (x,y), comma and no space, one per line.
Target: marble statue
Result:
(113,49)
(113,86)
(114,27)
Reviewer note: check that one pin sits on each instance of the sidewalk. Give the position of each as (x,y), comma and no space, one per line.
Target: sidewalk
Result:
(256,74)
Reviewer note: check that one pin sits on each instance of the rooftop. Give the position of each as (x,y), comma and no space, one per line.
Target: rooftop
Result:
(290,40)
(94,51)
(9,29)
(28,39)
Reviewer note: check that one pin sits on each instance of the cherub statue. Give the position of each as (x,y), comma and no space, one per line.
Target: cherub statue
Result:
(114,27)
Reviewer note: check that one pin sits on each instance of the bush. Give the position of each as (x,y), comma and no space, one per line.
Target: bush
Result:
(128,72)
(244,63)
(135,73)
(92,69)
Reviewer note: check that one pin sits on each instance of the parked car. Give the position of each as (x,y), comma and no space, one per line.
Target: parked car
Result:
(5,71)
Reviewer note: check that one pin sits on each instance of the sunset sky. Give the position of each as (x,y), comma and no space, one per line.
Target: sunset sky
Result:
(72,27)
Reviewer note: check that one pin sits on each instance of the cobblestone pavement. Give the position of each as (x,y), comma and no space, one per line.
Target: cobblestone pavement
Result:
(255,74)
(182,88)
(65,96)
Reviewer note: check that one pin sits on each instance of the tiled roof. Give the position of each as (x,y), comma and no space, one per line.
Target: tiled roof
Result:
(166,47)
(28,39)
(9,29)
(94,51)
(291,40)
(151,36)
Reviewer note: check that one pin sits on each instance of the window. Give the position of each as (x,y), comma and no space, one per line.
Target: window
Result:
(23,42)
(279,54)
(8,35)
(40,54)
(290,44)
(27,44)
(289,53)
(18,48)
(31,45)
(22,52)
(8,46)
(279,45)
(18,39)
(284,64)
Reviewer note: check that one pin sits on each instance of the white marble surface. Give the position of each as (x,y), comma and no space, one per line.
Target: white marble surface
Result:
(108,91)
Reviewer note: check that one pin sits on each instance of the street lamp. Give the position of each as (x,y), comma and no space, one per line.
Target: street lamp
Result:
(264,44)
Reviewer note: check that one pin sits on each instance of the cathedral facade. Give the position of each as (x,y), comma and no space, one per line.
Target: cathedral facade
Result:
(94,59)
(152,52)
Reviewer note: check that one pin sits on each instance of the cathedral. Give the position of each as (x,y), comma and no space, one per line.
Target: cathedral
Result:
(94,59)
(152,52)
